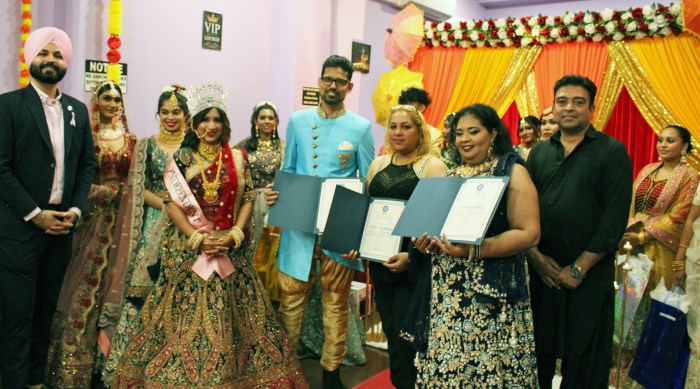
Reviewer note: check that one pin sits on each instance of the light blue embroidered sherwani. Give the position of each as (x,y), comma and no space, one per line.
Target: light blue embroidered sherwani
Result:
(326,148)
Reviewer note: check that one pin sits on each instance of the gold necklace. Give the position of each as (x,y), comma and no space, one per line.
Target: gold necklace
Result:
(171,139)
(108,132)
(211,189)
(264,145)
(467,170)
(208,152)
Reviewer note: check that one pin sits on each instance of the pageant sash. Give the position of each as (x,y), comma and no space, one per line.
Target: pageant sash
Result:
(181,194)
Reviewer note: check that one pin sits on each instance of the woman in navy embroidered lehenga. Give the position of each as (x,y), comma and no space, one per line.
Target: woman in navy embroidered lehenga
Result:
(478,330)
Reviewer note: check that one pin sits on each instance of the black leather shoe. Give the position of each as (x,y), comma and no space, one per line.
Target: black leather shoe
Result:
(331,379)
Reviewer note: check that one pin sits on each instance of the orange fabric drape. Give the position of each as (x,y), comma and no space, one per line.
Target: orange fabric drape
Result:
(440,67)
(585,58)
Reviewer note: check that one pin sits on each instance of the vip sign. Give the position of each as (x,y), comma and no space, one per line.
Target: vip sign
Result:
(211,30)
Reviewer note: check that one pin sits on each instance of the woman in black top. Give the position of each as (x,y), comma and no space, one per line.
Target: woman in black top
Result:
(395,175)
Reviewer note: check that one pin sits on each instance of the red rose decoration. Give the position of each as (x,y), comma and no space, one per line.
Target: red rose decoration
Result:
(448,26)
(637,13)
(621,26)
(616,15)
(451,37)
(114,42)
(494,34)
(524,20)
(463,24)
(596,17)
(492,24)
(662,9)
(643,27)
(564,32)
(433,24)
(510,32)
(557,20)
(600,29)
(478,24)
(546,32)
(581,31)
(541,20)
(482,36)
(113,56)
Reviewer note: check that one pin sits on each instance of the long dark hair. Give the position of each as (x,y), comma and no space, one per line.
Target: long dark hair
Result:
(489,118)
(192,140)
(253,140)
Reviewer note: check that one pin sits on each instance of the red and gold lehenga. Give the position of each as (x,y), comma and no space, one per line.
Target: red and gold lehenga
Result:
(73,349)
(218,333)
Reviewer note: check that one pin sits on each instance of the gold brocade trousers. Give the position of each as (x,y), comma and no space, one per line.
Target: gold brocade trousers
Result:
(335,289)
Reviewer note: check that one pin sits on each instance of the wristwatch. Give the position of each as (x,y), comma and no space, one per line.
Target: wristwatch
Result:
(576,271)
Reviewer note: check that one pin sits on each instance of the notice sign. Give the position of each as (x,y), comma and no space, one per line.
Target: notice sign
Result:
(96,72)
(211,31)
(310,96)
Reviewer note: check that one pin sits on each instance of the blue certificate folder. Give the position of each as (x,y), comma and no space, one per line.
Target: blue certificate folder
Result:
(297,204)
(346,221)
(429,206)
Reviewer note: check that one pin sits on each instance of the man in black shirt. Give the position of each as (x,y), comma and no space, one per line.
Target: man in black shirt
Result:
(584,181)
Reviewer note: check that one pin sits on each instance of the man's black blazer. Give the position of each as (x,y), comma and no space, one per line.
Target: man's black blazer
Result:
(27,162)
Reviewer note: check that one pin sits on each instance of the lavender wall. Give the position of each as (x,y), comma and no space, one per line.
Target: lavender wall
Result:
(271,49)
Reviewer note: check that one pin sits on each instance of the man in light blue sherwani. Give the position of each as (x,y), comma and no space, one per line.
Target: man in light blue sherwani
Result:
(326,141)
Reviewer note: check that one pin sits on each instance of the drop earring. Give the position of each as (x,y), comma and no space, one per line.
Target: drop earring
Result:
(257,133)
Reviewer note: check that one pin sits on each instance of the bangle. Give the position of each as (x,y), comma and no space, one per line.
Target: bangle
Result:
(237,235)
(678,265)
(195,241)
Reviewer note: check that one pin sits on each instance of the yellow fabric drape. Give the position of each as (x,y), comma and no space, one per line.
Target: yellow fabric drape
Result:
(520,66)
(608,93)
(672,66)
(527,99)
(643,94)
(480,77)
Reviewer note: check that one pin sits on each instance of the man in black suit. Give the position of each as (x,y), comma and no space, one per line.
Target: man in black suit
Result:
(47,162)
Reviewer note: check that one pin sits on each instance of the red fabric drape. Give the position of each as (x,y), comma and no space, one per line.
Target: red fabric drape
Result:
(511,119)
(440,67)
(629,127)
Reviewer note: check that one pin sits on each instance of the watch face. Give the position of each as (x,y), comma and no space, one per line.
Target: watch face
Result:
(576,272)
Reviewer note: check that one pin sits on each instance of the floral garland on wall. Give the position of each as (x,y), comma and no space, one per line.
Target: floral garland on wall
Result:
(24,33)
(608,25)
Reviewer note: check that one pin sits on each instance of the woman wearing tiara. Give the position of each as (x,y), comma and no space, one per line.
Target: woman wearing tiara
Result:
(73,348)
(265,152)
(141,205)
(208,322)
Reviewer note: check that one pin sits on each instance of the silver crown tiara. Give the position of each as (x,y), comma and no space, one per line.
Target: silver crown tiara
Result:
(206,95)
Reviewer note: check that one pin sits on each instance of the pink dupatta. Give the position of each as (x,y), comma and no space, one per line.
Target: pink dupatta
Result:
(182,195)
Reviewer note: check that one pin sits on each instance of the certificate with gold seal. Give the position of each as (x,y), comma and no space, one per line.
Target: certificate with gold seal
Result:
(359,222)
